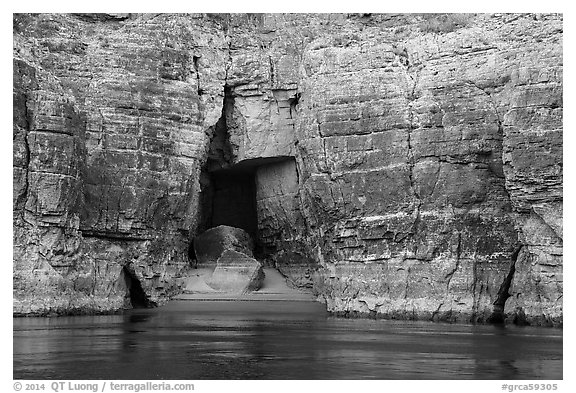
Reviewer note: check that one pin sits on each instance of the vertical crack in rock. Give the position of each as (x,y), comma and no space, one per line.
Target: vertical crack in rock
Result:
(436,312)
(410,153)
(220,149)
(498,315)
(450,274)
(490,98)
(436,178)
(323,142)
(411,161)
(272,76)
(24,194)
(23,197)
(119,205)
(195,61)
(293,102)
(474,285)
(218,155)
(102,128)
(228,65)
(407,286)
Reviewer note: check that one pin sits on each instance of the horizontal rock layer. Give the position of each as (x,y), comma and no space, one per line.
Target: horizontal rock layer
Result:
(404,166)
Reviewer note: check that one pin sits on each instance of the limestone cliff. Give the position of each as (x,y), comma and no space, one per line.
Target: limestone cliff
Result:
(404,166)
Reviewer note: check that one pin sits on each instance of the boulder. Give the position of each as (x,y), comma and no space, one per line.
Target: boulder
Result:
(211,245)
(236,272)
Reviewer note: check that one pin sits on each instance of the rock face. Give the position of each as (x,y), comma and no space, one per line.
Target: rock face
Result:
(405,166)
(109,135)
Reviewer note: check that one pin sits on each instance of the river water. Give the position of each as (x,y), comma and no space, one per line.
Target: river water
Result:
(275,340)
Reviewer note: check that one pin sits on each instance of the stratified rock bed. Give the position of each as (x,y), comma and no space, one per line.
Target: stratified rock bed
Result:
(400,166)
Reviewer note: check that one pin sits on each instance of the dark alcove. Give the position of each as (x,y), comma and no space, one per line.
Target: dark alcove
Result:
(229,195)
(234,200)
(138,298)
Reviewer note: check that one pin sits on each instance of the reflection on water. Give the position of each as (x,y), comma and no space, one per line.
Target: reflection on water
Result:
(275,340)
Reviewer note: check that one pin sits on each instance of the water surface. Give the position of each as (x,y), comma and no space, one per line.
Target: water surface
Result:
(275,340)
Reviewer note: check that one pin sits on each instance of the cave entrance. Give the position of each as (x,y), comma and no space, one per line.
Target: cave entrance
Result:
(233,200)
(240,195)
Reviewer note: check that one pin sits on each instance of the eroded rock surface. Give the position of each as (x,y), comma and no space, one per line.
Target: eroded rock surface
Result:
(405,166)
(212,244)
(236,273)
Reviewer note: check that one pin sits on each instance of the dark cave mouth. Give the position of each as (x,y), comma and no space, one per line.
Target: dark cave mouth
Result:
(138,298)
(230,195)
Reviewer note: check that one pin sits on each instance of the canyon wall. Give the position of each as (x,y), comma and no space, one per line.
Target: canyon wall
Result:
(403,166)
